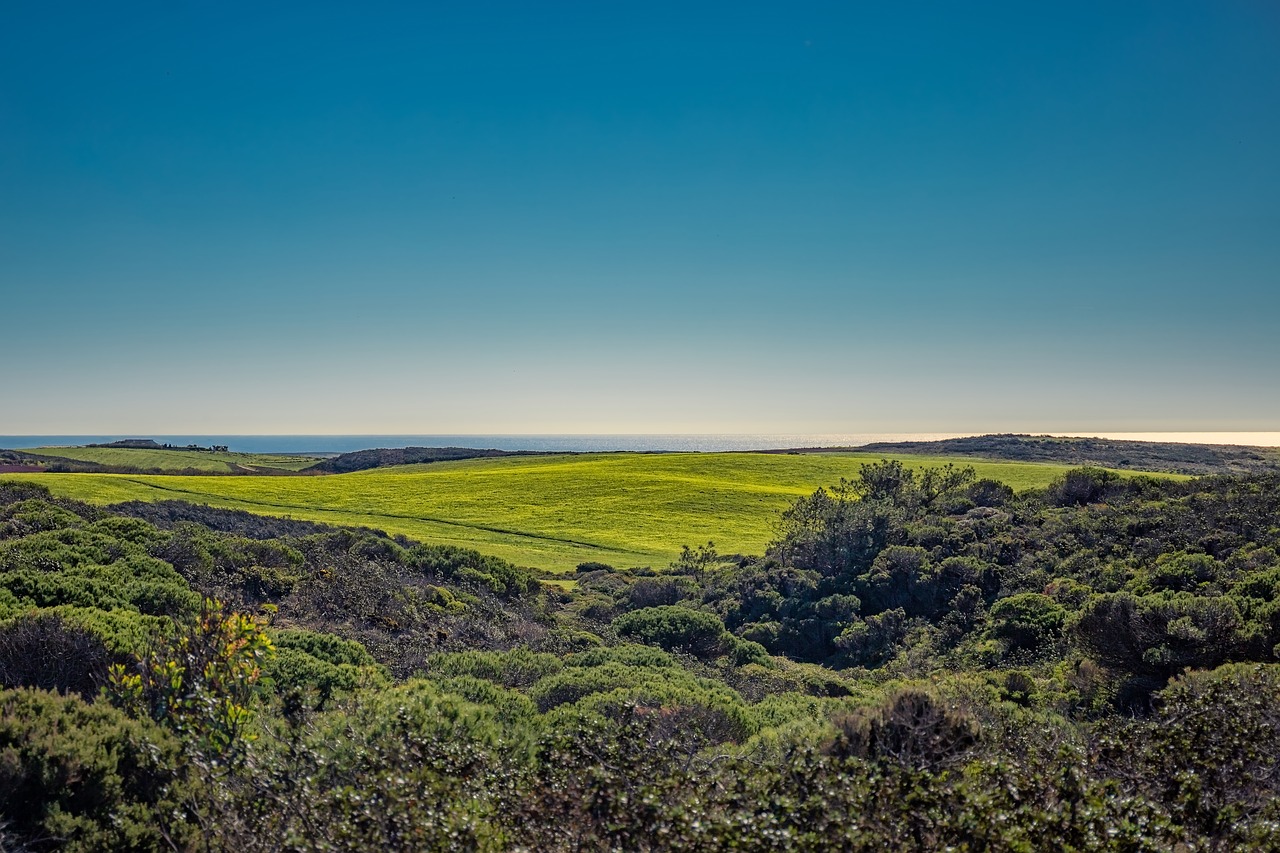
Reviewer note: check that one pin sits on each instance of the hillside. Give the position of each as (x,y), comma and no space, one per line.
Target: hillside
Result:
(1171,457)
(155,459)
(552,512)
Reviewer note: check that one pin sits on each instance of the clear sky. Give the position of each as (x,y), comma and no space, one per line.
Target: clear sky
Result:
(639,217)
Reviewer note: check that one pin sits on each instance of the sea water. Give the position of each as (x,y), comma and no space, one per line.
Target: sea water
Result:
(567,443)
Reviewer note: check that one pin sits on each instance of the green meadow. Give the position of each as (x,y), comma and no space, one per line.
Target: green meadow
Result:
(215,462)
(550,512)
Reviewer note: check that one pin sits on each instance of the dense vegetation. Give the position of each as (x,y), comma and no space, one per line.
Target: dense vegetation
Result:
(364,460)
(920,659)
(1167,456)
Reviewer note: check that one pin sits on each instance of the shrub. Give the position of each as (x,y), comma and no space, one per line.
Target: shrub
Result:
(85,775)
(326,647)
(1209,754)
(1027,621)
(694,716)
(33,516)
(659,591)
(1082,486)
(571,685)
(746,652)
(627,654)
(675,629)
(1182,572)
(990,493)
(302,678)
(472,568)
(871,641)
(516,668)
(199,681)
(407,768)
(912,728)
(40,650)
(1157,636)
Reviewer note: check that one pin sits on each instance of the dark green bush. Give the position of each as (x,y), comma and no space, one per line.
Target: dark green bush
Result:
(675,629)
(75,776)
(41,650)
(1027,621)
(913,728)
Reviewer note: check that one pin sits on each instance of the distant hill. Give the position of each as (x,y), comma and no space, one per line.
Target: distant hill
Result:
(137,443)
(1172,457)
(363,460)
(20,461)
(139,457)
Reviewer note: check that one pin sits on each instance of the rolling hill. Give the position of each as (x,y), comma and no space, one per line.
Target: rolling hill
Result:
(551,512)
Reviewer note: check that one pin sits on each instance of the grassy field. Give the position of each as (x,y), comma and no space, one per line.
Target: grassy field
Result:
(178,460)
(551,512)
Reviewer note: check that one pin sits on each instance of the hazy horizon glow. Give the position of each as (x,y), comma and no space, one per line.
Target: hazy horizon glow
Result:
(503,218)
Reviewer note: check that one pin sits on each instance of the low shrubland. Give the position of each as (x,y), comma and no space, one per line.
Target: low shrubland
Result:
(916,661)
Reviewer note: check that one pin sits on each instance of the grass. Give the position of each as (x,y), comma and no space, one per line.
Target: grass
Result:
(551,512)
(178,460)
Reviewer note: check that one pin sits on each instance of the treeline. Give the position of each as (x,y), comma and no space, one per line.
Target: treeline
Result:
(919,661)
(363,460)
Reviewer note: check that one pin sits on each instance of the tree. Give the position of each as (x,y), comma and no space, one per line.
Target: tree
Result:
(696,561)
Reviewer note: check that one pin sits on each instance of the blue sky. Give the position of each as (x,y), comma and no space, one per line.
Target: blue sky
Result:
(612,217)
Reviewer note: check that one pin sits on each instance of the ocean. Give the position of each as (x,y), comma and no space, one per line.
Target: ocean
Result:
(567,443)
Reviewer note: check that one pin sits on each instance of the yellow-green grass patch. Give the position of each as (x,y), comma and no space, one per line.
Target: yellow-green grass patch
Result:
(551,512)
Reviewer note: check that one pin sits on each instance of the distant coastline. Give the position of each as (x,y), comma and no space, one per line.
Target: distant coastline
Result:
(568,443)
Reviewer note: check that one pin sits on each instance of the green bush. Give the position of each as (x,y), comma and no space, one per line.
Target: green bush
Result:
(86,775)
(471,567)
(627,654)
(325,647)
(300,677)
(1156,636)
(1181,572)
(516,668)
(913,728)
(511,706)
(33,516)
(1027,621)
(1209,754)
(744,652)
(201,679)
(412,767)
(675,629)
(696,715)
(41,650)
(572,684)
